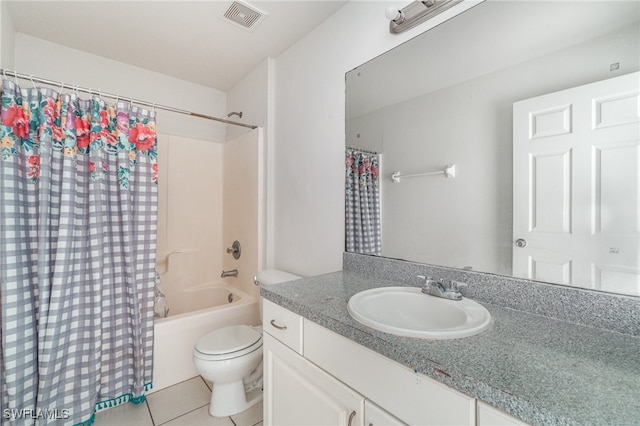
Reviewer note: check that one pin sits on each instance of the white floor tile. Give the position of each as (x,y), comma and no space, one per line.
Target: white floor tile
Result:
(200,417)
(250,417)
(208,382)
(174,401)
(124,414)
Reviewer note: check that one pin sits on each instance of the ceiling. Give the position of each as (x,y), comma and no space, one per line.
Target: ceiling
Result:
(188,40)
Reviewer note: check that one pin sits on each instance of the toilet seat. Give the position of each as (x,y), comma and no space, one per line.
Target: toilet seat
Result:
(228,342)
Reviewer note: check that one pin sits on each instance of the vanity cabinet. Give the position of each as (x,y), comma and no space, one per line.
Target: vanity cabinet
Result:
(313,376)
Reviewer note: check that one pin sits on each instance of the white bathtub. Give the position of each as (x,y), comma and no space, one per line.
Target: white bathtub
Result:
(176,335)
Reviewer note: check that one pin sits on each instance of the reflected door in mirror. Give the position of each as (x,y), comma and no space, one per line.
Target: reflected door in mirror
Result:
(577,186)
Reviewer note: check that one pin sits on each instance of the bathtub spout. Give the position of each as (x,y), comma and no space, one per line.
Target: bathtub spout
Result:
(230,273)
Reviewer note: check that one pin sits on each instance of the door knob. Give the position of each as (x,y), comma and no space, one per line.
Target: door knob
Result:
(521,242)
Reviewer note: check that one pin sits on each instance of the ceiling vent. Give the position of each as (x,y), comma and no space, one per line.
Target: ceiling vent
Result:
(243,15)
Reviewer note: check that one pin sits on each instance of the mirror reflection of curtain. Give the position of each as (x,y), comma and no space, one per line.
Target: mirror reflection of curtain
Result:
(78,209)
(362,202)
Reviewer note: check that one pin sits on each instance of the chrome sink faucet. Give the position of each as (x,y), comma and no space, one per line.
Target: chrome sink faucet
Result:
(450,290)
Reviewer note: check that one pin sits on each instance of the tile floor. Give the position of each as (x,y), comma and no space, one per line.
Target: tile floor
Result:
(184,404)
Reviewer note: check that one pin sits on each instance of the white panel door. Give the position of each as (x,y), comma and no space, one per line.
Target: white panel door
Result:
(297,393)
(576,183)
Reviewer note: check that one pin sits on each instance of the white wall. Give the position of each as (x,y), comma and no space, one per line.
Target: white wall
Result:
(42,58)
(251,96)
(7,38)
(308,163)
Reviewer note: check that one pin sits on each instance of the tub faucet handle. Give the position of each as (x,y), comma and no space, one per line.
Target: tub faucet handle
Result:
(235,249)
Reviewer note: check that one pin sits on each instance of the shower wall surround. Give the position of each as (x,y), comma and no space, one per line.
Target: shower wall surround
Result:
(204,206)
(586,307)
(190,220)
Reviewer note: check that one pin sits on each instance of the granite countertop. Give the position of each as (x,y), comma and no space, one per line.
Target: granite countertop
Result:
(538,369)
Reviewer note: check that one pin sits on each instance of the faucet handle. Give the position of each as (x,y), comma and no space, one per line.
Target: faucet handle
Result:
(456,285)
(426,283)
(426,280)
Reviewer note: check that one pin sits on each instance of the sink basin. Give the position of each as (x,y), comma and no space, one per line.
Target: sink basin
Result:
(406,311)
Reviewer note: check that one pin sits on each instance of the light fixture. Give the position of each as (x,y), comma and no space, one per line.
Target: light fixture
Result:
(394,15)
(416,13)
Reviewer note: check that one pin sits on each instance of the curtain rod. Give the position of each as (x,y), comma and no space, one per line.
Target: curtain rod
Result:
(366,151)
(62,85)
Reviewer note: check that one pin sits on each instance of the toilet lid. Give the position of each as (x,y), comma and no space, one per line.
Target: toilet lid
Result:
(228,339)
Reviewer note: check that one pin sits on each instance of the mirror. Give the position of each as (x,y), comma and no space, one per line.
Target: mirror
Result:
(447,98)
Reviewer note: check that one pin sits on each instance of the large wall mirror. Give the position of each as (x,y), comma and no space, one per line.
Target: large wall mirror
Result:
(537,105)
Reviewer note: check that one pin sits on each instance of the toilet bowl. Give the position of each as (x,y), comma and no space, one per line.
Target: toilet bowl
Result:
(225,357)
(231,358)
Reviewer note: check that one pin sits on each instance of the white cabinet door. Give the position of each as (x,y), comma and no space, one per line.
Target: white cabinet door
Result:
(298,393)
(376,416)
(576,183)
(489,416)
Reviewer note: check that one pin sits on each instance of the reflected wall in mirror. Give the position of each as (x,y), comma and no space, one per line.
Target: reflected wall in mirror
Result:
(543,92)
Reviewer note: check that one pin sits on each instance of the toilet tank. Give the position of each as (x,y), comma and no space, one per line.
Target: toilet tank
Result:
(272,276)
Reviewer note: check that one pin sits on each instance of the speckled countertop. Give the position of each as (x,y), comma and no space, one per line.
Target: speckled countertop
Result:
(538,369)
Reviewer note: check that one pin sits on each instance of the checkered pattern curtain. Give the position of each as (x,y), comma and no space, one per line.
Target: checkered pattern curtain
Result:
(78,209)
(362,203)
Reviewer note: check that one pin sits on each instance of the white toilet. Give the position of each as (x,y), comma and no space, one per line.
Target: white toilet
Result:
(231,358)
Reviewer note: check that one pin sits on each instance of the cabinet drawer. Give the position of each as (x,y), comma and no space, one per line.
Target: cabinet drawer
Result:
(282,324)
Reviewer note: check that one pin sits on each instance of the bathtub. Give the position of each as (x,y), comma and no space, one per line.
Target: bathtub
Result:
(217,305)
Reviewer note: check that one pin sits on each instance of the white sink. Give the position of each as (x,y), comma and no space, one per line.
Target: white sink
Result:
(406,311)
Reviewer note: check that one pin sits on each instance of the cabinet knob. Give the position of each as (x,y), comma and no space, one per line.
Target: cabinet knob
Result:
(351,416)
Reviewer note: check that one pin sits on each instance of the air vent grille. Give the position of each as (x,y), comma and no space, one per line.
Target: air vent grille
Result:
(244,15)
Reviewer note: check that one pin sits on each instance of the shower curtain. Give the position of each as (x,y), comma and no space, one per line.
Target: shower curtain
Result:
(78,209)
(362,203)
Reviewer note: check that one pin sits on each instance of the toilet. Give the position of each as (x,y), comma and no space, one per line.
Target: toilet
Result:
(231,358)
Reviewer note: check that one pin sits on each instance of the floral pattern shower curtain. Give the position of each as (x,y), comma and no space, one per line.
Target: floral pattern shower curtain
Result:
(78,211)
(363,234)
